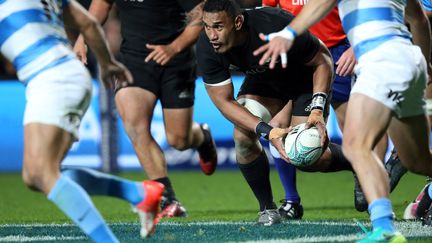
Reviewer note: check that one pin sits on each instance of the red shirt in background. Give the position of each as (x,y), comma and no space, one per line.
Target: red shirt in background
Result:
(329,30)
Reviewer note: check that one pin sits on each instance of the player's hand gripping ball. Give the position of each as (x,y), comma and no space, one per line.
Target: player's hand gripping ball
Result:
(303,146)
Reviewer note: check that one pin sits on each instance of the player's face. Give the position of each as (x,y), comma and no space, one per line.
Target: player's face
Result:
(220,30)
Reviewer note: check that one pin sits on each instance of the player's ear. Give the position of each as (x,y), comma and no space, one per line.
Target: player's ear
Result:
(238,21)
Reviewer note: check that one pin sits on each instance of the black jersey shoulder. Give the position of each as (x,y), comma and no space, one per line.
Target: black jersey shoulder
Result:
(267,19)
(215,67)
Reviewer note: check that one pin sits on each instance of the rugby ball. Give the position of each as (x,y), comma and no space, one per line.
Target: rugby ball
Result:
(303,146)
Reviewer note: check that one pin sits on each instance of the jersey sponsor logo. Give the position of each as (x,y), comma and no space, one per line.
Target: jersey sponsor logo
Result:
(299,2)
(256,70)
(252,70)
(233,68)
(260,69)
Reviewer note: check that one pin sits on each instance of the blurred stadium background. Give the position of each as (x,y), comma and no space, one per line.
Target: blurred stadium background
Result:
(91,149)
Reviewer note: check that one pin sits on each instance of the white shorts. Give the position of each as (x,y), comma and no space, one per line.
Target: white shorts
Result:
(395,75)
(59,96)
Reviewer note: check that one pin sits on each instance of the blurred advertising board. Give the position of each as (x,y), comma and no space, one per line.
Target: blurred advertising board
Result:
(86,152)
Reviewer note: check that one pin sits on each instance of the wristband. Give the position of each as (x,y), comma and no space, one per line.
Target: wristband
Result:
(263,130)
(287,33)
(319,100)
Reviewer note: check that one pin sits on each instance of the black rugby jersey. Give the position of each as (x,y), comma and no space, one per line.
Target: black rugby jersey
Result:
(216,67)
(151,21)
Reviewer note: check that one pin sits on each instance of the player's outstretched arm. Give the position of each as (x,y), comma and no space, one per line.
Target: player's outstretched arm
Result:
(280,42)
(112,72)
(322,64)
(100,10)
(162,54)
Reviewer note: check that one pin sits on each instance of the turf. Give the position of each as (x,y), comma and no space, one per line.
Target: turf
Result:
(223,197)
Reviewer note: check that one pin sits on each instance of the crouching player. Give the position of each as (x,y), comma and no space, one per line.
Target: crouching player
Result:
(229,40)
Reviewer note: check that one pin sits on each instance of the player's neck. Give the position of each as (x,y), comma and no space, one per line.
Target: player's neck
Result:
(241,37)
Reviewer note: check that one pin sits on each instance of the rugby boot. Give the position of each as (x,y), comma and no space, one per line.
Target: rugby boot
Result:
(148,208)
(207,151)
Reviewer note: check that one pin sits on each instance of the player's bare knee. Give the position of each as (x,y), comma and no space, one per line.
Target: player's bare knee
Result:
(244,140)
(178,141)
(246,147)
(242,147)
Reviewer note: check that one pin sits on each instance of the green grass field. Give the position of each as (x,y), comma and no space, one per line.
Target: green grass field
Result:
(221,208)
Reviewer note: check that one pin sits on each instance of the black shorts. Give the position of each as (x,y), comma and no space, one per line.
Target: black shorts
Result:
(302,105)
(300,93)
(173,86)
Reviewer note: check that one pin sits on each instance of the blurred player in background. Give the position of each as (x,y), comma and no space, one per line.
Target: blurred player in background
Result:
(156,48)
(388,93)
(58,92)
(229,40)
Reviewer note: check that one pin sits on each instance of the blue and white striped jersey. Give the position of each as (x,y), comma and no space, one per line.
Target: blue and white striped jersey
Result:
(427,5)
(370,23)
(32,35)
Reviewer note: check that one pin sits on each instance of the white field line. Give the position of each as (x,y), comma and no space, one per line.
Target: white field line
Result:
(204,223)
(335,238)
(21,238)
(408,228)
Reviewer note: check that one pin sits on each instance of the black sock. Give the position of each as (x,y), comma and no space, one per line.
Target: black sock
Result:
(339,162)
(257,175)
(169,193)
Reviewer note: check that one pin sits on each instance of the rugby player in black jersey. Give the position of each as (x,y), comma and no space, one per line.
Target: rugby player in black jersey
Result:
(229,40)
(156,47)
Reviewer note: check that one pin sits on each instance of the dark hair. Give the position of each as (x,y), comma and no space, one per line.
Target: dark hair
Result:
(229,6)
